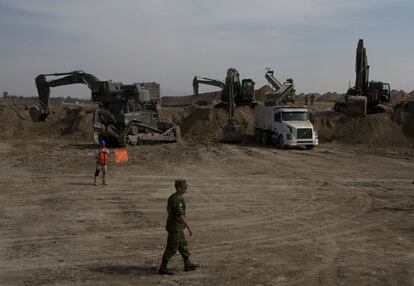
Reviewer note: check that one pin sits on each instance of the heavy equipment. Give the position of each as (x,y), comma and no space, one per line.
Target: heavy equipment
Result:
(288,126)
(283,93)
(366,96)
(124,113)
(233,94)
(231,90)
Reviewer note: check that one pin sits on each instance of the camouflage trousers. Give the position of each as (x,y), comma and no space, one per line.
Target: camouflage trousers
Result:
(176,241)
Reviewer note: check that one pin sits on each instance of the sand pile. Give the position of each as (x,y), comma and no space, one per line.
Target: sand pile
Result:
(202,99)
(206,124)
(398,96)
(382,129)
(64,120)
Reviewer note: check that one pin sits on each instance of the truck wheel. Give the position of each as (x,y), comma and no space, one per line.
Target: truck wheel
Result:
(264,137)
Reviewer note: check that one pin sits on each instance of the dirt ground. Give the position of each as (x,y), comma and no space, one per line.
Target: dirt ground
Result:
(334,215)
(340,214)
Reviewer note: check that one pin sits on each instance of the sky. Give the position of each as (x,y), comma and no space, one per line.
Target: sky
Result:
(171,41)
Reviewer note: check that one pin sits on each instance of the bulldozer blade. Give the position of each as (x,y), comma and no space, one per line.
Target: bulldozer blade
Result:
(36,114)
(232,132)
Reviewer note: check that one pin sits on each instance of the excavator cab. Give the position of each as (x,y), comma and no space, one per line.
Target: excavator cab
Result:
(377,92)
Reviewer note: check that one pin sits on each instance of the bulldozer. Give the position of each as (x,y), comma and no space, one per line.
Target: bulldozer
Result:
(124,114)
(233,94)
(366,96)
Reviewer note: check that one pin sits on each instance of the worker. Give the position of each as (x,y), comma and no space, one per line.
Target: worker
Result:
(176,223)
(312,99)
(101,158)
(306,99)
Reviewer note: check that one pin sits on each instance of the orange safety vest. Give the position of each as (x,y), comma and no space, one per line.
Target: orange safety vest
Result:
(103,156)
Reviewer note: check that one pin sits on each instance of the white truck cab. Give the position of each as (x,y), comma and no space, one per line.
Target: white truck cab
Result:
(285,125)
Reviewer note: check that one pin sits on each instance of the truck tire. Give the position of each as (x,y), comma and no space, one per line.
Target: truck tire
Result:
(264,137)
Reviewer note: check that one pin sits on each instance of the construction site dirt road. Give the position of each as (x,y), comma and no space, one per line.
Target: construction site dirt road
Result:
(261,216)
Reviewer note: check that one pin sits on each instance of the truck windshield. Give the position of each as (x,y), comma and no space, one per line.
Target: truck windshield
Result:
(294,116)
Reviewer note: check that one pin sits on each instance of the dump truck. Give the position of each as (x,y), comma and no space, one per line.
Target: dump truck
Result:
(124,114)
(286,126)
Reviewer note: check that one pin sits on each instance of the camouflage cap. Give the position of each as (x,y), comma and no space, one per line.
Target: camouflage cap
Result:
(181,183)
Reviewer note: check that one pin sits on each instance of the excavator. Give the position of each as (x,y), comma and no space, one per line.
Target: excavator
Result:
(242,94)
(233,94)
(124,114)
(283,92)
(366,96)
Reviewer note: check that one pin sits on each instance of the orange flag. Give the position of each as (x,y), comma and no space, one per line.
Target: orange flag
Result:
(121,156)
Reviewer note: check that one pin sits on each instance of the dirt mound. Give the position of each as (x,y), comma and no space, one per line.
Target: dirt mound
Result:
(206,124)
(64,120)
(382,129)
(330,97)
(201,99)
(398,96)
(262,92)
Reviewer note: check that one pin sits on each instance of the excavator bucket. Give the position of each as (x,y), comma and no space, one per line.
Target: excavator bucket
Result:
(353,106)
(232,132)
(356,106)
(36,114)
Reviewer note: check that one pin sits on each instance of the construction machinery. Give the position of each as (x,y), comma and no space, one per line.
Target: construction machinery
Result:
(124,113)
(288,126)
(366,96)
(283,93)
(241,94)
(233,94)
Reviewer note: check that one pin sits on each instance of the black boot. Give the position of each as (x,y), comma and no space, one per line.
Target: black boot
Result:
(164,270)
(188,265)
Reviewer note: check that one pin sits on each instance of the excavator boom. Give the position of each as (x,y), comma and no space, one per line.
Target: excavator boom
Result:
(43,88)
(203,80)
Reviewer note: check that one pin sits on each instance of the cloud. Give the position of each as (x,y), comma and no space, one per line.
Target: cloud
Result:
(172,40)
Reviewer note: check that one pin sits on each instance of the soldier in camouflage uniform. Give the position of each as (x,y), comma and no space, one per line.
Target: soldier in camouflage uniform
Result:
(176,223)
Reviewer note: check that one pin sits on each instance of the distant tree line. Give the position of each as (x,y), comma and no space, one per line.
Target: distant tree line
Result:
(68,99)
